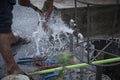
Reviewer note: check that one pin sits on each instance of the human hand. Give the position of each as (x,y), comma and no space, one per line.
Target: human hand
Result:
(25,3)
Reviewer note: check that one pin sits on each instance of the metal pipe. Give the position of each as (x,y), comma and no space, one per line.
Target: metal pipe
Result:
(115,21)
(71,43)
(88,30)
(76,18)
(75,10)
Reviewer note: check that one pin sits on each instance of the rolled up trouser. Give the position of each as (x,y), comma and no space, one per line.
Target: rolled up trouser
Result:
(5,16)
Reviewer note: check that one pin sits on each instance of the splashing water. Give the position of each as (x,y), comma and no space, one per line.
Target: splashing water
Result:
(56,29)
(59,28)
(60,33)
(38,35)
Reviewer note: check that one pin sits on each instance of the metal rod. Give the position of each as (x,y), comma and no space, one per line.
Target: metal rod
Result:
(74,66)
(99,73)
(115,18)
(114,55)
(71,43)
(75,10)
(102,50)
(88,31)
(76,18)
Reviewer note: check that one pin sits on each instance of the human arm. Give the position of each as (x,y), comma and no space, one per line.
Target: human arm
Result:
(25,3)
(49,4)
(47,10)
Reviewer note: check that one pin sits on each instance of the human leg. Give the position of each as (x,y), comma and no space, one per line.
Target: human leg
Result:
(5,49)
(7,37)
(13,38)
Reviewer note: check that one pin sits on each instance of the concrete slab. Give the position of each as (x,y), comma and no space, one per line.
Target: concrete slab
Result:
(67,4)
(63,4)
(59,4)
(38,3)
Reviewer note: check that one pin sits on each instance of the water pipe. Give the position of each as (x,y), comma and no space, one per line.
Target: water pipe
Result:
(74,66)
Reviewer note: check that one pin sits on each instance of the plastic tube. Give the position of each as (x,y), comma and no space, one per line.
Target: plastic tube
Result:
(74,66)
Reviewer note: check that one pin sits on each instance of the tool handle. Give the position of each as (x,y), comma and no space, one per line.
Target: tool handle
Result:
(24,61)
(25,58)
(47,67)
(51,75)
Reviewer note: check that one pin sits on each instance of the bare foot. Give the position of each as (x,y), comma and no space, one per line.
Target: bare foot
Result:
(13,69)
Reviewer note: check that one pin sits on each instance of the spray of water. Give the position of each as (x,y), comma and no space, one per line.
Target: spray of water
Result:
(60,34)
(59,28)
(38,35)
(56,28)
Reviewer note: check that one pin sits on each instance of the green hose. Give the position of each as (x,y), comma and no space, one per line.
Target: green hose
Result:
(74,66)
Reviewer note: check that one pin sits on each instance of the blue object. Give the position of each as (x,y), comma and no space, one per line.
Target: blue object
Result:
(49,62)
(55,74)
(24,60)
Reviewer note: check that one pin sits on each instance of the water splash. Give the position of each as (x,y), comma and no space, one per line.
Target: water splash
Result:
(56,28)
(38,35)
(60,34)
